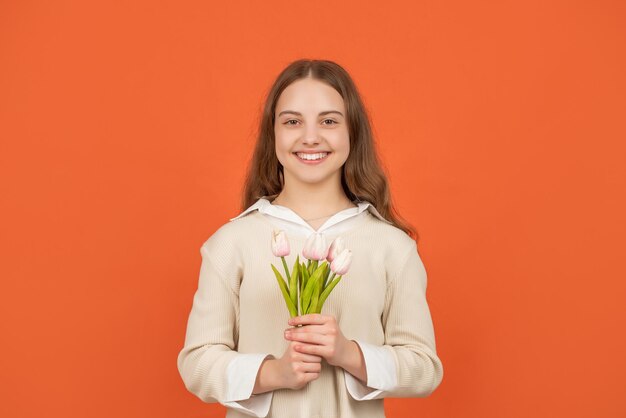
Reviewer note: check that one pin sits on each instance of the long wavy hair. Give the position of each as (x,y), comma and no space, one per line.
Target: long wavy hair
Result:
(363,177)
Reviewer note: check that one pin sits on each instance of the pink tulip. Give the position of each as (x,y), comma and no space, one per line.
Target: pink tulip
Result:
(341,263)
(280,244)
(315,247)
(336,247)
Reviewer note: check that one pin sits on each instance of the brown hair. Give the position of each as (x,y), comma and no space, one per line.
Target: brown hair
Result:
(363,176)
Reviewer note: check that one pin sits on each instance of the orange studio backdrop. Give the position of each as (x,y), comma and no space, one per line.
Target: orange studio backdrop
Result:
(126,127)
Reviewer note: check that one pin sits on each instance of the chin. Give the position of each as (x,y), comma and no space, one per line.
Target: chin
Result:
(321,178)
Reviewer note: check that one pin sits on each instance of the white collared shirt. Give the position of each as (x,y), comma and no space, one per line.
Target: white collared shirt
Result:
(286,217)
(243,369)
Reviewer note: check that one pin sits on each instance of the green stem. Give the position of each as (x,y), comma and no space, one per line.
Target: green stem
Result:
(327,280)
(287,275)
(293,283)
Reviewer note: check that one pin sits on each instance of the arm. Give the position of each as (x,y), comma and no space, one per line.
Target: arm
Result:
(407,364)
(244,373)
(369,371)
(266,378)
(355,363)
(209,364)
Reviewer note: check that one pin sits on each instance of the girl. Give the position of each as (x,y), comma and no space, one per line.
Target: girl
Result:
(314,171)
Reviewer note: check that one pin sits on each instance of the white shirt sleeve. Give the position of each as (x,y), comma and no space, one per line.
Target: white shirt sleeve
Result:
(241,374)
(381,373)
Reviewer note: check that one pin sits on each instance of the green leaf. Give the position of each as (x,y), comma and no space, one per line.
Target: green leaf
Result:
(305,277)
(283,288)
(308,290)
(300,279)
(315,295)
(326,292)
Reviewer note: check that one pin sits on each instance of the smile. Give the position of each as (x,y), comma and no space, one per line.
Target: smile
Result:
(311,158)
(306,156)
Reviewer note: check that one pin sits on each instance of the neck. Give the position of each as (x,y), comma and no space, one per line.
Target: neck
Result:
(314,200)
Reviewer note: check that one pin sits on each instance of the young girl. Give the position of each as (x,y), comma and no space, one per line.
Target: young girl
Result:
(314,171)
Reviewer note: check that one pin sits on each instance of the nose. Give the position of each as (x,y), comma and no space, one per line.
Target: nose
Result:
(311,135)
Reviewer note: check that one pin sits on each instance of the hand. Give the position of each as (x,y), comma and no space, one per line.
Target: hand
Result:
(320,335)
(294,369)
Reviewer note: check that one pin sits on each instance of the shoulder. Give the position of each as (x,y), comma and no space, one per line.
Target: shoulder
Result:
(225,248)
(390,236)
(236,233)
(394,247)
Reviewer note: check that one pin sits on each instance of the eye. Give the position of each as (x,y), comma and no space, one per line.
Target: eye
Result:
(290,120)
(331,120)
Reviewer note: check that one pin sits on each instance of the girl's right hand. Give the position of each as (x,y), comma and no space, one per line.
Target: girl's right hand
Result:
(296,369)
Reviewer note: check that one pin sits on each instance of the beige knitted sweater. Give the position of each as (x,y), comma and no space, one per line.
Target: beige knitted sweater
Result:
(238,308)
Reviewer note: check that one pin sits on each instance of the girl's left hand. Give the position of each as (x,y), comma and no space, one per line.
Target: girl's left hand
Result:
(321,337)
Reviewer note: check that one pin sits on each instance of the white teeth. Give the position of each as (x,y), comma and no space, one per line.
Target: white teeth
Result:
(311,156)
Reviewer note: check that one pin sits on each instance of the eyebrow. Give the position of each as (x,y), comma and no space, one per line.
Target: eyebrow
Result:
(326,112)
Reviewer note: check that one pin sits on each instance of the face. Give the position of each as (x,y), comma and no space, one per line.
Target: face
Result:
(310,119)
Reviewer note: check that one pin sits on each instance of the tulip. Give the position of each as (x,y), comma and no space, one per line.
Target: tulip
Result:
(341,264)
(280,244)
(280,247)
(308,285)
(335,248)
(315,247)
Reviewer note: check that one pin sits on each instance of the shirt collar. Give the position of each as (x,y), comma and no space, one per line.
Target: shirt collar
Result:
(263,205)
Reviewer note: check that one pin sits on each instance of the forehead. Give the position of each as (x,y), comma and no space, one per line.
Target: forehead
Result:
(309,95)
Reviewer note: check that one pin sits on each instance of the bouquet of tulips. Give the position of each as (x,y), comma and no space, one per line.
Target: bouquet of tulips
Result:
(308,285)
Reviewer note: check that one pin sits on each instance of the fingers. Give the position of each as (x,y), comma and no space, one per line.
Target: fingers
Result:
(310,376)
(310,349)
(307,358)
(306,337)
(312,319)
(310,367)
(318,329)
(300,356)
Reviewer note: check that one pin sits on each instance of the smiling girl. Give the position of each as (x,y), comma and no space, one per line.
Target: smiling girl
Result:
(314,170)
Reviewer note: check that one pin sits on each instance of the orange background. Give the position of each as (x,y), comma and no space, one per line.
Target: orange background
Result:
(125,129)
